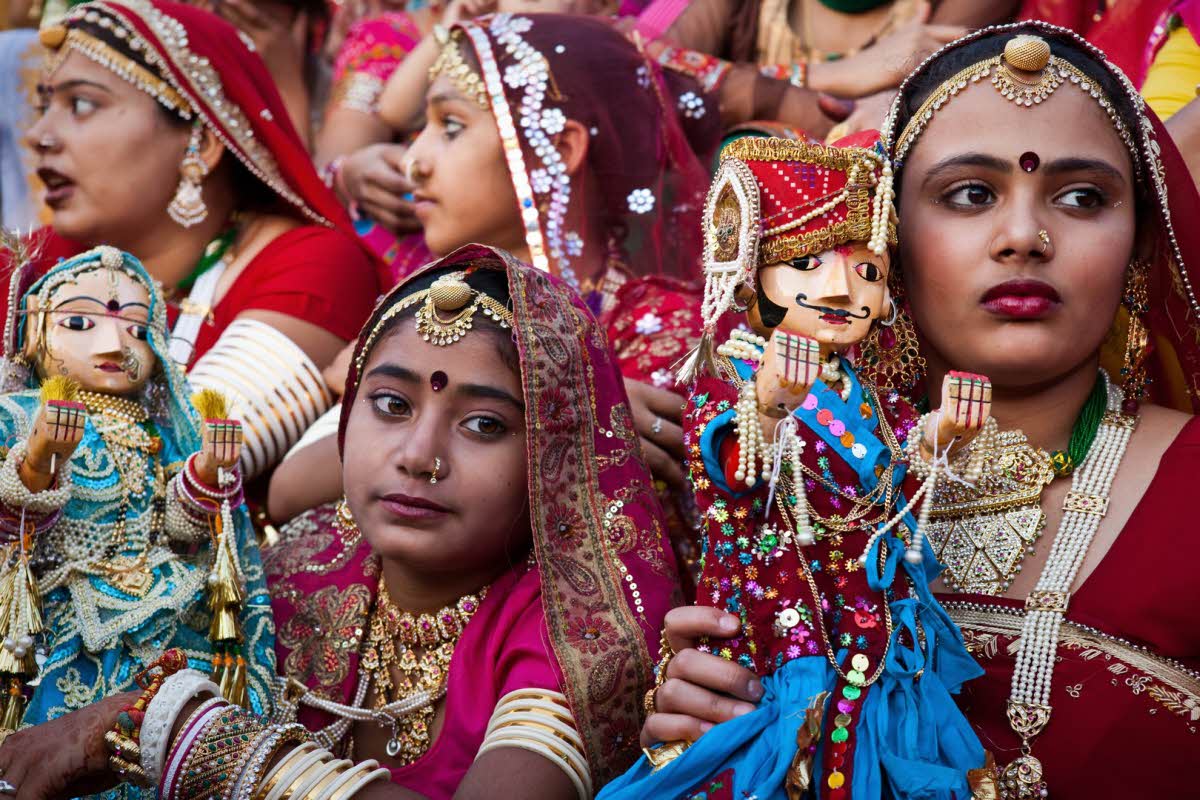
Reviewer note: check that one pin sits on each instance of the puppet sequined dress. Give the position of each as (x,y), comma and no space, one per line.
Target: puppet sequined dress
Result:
(882,722)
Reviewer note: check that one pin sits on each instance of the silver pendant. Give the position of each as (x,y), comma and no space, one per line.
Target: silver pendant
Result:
(393,747)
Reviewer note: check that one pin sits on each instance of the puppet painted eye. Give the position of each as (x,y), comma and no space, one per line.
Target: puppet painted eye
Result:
(139,332)
(869,272)
(77,322)
(805,263)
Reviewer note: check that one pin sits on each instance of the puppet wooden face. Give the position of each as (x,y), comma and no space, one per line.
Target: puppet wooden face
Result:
(94,329)
(833,297)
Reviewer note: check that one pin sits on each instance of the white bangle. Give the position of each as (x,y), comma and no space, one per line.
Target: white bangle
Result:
(277,391)
(16,495)
(357,786)
(546,752)
(298,769)
(175,693)
(345,778)
(326,770)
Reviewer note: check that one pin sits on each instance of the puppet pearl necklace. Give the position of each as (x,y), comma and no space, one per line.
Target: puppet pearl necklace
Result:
(1084,508)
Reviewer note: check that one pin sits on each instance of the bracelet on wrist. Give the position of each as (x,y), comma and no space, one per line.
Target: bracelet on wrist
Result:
(123,739)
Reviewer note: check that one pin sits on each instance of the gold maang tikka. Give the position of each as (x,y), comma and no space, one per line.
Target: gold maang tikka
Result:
(447,312)
(1026,74)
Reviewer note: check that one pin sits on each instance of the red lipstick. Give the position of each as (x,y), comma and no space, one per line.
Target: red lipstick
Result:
(1022,299)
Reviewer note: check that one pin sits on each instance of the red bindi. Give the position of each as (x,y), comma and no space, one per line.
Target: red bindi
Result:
(1029,161)
(438,381)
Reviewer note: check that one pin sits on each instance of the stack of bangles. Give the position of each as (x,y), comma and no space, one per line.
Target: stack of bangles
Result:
(222,751)
(200,500)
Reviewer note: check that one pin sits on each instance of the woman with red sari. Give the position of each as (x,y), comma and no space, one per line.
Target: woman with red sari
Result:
(478,377)
(584,168)
(1040,241)
(162,134)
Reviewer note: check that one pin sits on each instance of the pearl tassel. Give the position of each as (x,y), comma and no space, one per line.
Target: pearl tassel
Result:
(882,210)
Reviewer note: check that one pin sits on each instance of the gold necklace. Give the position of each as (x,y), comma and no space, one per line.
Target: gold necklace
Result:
(983,533)
(419,647)
(118,421)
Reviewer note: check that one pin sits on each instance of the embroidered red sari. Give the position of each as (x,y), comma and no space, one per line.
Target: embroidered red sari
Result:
(581,616)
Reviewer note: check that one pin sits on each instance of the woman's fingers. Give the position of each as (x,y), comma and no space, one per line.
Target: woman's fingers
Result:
(662,465)
(715,674)
(681,697)
(686,624)
(672,728)
(661,402)
(660,430)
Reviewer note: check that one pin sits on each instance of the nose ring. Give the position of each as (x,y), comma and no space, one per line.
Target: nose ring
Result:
(1044,237)
(408,166)
(437,464)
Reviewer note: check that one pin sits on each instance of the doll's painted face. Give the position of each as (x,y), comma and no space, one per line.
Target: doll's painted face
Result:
(832,297)
(96,332)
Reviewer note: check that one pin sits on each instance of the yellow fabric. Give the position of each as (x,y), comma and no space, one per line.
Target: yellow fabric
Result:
(1174,75)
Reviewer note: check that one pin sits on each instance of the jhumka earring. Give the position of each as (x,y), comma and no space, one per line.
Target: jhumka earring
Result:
(187,206)
(890,356)
(1136,302)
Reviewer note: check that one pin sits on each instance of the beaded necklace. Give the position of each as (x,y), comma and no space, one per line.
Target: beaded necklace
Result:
(393,640)
(1084,508)
(119,422)
(1083,432)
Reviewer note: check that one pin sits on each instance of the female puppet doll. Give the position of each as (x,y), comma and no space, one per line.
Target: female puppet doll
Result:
(809,485)
(116,511)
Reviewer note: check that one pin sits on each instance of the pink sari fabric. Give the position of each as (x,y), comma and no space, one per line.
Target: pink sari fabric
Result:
(372,50)
(581,619)
(324,582)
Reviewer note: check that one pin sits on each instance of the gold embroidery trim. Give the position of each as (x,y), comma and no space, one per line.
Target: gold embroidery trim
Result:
(1009,623)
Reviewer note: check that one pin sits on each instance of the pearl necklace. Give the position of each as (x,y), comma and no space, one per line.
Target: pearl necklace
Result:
(1084,508)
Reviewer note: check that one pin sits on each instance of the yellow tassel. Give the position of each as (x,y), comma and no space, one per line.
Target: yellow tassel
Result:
(225,596)
(211,404)
(237,685)
(60,388)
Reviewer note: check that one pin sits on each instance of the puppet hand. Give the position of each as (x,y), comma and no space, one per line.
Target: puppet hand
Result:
(966,405)
(220,448)
(56,433)
(789,368)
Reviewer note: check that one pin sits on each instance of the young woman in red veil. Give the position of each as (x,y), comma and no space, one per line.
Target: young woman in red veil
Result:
(555,138)
(162,133)
(1046,239)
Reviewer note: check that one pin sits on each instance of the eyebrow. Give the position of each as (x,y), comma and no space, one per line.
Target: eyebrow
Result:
(1095,166)
(43,88)
(968,160)
(441,98)
(489,393)
(394,371)
(99,302)
(477,390)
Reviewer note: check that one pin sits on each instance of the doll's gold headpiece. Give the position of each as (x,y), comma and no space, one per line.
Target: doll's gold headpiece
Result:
(1026,74)
(447,312)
